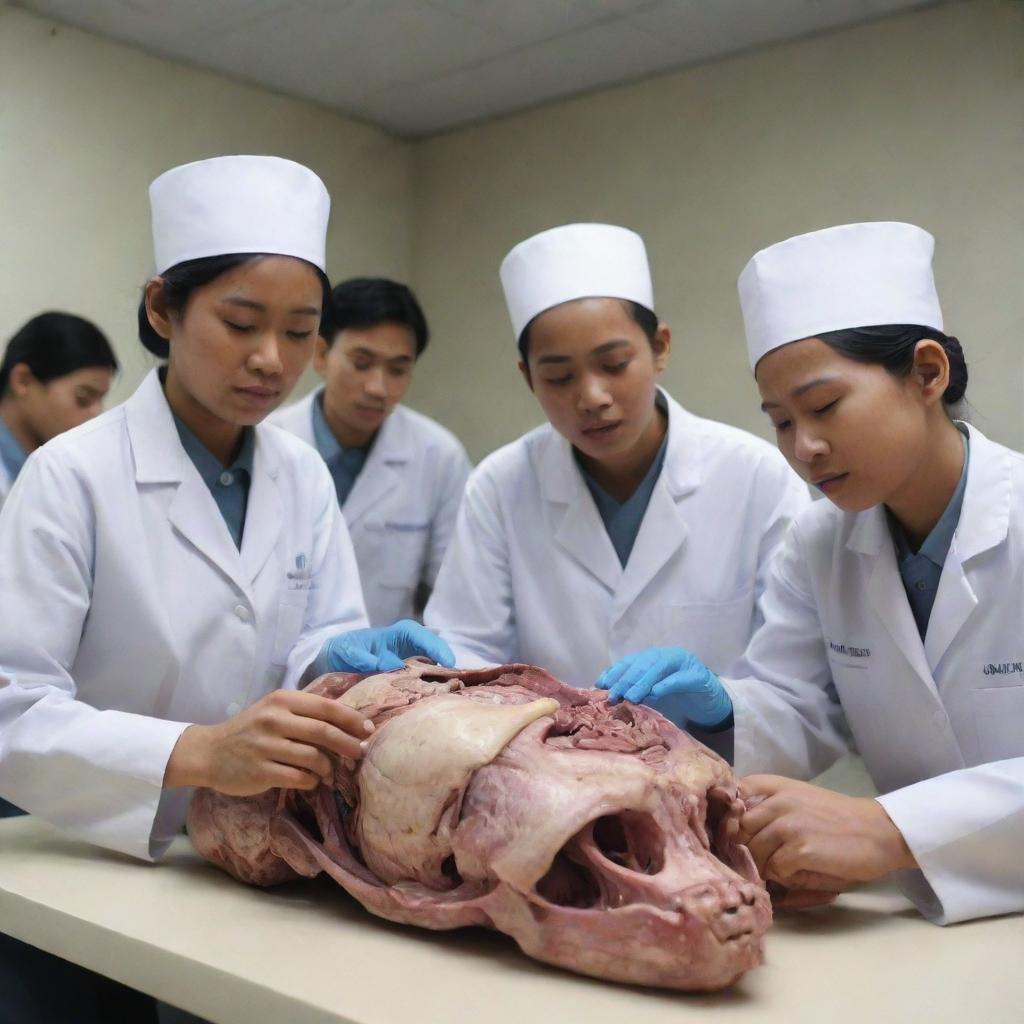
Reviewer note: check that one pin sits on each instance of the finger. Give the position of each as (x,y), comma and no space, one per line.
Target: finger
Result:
(313,705)
(388,661)
(323,734)
(353,658)
(421,641)
(798,899)
(766,843)
(642,686)
(302,755)
(762,785)
(677,682)
(758,817)
(614,672)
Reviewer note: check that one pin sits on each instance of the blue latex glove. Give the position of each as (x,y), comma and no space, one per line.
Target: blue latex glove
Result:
(670,680)
(383,649)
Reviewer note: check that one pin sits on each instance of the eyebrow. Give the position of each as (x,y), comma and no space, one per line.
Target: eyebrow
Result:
(359,350)
(599,351)
(237,300)
(801,390)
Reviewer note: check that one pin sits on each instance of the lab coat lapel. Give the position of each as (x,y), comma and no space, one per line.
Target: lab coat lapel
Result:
(265,511)
(161,459)
(984,523)
(884,590)
(663,530)
(577,526)
(382,471)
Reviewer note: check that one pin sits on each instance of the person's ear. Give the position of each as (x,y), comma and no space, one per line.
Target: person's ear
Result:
(525,371)
(320,355)
(661,345)
(930,371)
(20,379)
(157,310)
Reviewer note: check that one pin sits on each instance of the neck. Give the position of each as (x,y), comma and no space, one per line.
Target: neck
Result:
(621,474)
(217,435)
(18,427)
(344,433)
(920,501)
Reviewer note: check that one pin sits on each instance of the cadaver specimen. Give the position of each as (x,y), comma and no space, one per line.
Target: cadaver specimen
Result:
(601,838)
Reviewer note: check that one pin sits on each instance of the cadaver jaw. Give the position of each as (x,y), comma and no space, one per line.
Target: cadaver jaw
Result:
(601,838)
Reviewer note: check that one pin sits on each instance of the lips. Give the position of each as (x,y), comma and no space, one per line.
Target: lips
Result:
(828,481)
(601,429)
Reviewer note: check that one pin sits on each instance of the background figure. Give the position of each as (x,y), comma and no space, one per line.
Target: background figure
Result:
(54,375)
(398,474)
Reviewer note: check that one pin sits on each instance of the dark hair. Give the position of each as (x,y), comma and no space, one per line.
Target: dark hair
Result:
(53,345)
(646,318)
(183,278)
(369,301)
(891,346)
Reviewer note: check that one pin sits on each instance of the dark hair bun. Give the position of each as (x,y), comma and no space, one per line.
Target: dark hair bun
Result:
(957,370)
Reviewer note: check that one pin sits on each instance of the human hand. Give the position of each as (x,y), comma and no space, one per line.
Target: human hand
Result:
(669,676)
(810,839)
(282,741)
(384,649)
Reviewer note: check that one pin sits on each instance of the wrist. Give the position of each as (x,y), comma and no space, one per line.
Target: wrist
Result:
(188,764)
(899,856)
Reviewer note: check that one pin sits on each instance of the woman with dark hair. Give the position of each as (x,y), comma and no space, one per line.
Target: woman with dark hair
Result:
(625,520)
(893,620)
(54,375)
(398,474)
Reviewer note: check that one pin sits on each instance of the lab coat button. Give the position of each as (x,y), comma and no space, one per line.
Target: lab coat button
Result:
(242,612)
(920,584)
(233,708)
(227,479)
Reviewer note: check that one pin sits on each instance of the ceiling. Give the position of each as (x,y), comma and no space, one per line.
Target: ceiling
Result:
(417,67)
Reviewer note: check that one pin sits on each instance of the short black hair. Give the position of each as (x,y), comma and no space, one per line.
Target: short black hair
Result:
(892,347)
(369,301)
(53,345)
(183,278)
(646,318)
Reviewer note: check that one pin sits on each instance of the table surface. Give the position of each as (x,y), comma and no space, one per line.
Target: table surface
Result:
(306,952)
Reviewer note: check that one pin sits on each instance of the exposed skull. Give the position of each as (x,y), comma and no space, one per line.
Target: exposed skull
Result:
(600,838)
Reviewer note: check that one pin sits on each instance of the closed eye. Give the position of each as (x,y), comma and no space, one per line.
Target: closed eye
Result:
(617,368)
(825,408)
(558,381)
(300,335)
(241,328)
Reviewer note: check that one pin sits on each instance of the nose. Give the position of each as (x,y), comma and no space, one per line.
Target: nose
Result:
(266,357)
(593,395)
(373,383)
(808,445)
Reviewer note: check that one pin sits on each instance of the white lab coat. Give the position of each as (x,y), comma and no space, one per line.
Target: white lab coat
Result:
(940,724)
(127,612)
(531,574)
(401,510)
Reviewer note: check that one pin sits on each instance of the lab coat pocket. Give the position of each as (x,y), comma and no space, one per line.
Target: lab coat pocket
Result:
(291,616)
(717,632)
(999,717)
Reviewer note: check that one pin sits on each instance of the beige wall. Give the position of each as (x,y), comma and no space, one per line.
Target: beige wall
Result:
(86,124)
(919,117)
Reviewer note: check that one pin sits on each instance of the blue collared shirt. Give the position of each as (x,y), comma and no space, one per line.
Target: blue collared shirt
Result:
(922,570)
(11,453)
(228,485)
(345,464)
(623,519)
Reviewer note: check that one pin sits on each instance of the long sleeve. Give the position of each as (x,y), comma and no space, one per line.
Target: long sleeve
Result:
(966,831)
(788,718)
(95,773)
